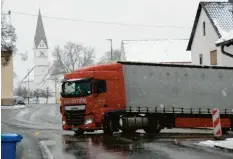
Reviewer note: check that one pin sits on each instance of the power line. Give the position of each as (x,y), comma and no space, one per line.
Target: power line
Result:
(179,39)
(104,22)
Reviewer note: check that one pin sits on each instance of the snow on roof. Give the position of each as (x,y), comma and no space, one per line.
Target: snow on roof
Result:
(51,73)
(226,37)
(30,74)
(155,51)
(222,15)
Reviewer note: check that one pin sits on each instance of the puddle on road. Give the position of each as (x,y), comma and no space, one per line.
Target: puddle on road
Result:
(99,146)
(104,146)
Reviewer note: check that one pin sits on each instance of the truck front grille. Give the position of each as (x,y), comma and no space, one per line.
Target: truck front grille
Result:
(74,117)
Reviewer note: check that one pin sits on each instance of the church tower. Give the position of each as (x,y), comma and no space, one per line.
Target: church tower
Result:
(41,62)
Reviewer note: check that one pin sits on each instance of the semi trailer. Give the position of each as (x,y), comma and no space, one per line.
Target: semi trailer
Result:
(128,96)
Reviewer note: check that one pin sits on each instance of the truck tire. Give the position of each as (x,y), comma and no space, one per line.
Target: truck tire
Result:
(108,126)
(225,130)
(153,127)
(79,132)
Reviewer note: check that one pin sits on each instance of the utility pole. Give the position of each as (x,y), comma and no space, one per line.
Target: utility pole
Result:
(111,46)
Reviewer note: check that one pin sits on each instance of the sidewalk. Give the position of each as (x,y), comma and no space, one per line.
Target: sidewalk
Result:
(223,144)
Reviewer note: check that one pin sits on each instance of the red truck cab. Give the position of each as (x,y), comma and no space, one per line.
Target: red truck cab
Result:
(85,99)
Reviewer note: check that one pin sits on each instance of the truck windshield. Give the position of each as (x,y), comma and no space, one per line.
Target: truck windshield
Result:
(76,88)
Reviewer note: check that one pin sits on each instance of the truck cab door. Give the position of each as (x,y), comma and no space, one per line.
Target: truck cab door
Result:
(100,93)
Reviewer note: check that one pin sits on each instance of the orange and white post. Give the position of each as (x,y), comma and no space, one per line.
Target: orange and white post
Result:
(216,123)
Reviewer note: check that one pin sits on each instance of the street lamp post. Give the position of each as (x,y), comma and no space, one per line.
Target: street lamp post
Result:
(111,46)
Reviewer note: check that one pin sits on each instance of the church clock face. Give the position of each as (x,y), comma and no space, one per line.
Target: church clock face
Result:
(42,53)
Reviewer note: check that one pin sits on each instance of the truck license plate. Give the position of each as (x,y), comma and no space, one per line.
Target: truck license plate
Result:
(75,129)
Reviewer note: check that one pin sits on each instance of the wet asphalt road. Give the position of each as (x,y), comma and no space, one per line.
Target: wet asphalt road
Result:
(42,123)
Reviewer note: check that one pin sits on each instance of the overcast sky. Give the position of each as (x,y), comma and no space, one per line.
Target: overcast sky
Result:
(58,32)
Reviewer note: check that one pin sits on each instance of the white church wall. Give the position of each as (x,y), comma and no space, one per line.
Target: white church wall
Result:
(39,73)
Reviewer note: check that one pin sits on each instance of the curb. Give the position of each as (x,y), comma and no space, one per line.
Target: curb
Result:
(46,153)
(223,148)
(214,147)
(207,149)
(13,107)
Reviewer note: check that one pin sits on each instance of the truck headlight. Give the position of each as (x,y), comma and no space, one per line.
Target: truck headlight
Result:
(88,121)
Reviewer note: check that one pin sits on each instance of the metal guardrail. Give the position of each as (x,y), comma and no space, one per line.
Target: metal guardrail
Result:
(176,110)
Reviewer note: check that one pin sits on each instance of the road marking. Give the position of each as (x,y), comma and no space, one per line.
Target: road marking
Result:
(46,153)
(36,133)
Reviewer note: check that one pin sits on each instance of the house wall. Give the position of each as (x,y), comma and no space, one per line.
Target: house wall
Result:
(7,83)
(226,60)
(204,44)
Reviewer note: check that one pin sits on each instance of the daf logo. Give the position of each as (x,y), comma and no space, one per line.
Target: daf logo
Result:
(74,108)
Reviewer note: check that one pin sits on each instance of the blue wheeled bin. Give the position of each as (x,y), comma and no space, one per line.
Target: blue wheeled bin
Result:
(8,145)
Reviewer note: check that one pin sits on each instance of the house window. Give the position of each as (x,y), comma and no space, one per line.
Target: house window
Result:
(200,59)
(213,57)
(204,30)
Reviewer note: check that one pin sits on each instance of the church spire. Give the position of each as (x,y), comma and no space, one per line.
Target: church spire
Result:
(40,33)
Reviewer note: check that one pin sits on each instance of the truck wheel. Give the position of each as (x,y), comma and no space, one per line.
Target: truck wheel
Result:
(79,132)
(153,127)
(108,126)
(225,130)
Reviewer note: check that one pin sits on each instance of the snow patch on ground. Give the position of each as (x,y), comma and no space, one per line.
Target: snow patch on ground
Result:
(226,144)
(22,113)
(13,107)
(208,143)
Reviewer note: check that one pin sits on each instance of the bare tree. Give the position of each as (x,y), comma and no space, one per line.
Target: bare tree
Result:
(25,93)
(19,91)
(87,58)
(60,66)
(37,93)
(8,38)
(116,55)
(73,56)
(46,94)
